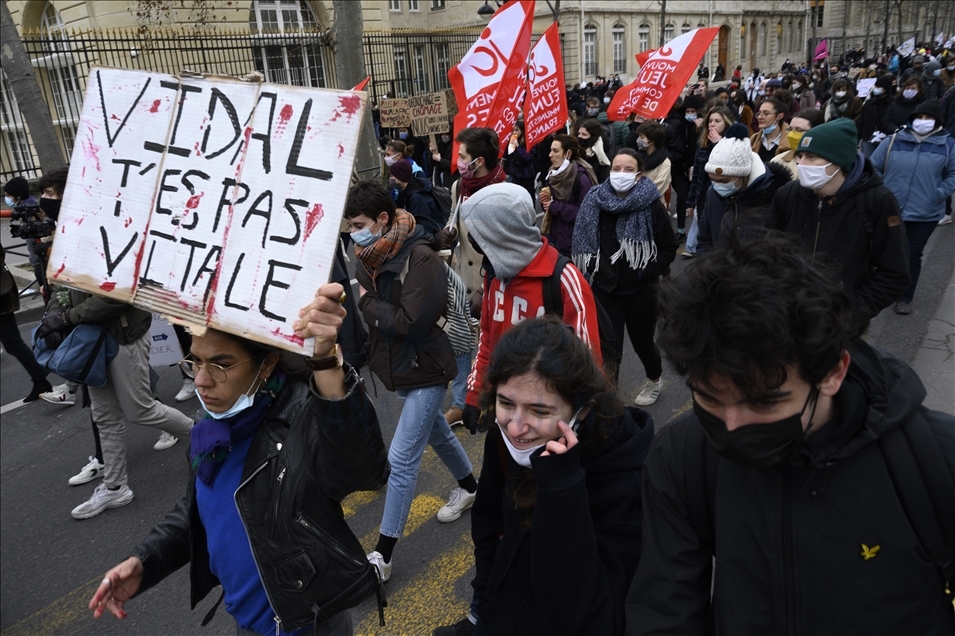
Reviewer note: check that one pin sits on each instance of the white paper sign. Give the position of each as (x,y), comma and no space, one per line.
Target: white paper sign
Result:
(164,349)
(863,86)
(212,201)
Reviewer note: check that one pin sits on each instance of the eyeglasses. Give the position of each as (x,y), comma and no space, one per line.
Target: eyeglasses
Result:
(217,372)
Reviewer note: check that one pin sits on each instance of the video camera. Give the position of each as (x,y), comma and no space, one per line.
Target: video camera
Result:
(26,222)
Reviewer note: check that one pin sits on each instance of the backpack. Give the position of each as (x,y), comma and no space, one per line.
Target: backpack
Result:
(917,468)
(442,199)
(553,305)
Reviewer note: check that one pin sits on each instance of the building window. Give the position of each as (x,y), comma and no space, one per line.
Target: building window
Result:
(619,49)
(590,50)
(420,70)
(800,40)
(402,85)
(65,85)
(283,60)
(15,148)
(686,28)
(442,54)
(413,5)
(762,38)
(394,5)
(668,32)
(816,10)
(437,5)
(643,37)
(790,36)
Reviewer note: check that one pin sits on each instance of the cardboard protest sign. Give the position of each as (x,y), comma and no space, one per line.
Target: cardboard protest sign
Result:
(429,114)
(202,198)
(450,103)
(545,107)
(863,86)
(394,113)
(164,349)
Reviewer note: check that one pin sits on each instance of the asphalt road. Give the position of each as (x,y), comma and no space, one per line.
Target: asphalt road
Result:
(51,563)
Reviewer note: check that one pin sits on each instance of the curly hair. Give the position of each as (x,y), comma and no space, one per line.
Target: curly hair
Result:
(751,311)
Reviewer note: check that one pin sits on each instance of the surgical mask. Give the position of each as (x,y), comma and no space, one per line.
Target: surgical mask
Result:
(245,401)
(523,457)
(937,72)
(390,160)
(9,201)
(593,111)
(872,67)
(794,138)
(951,69)
(814,177)
(796,86)
(465,169)
(402,135)
(690,116)
(724,189)
(769,130)
(642,144)
(910,93)
(841,94)
(923,126)
(878,90)
(623,181)
(756,445)
(606,100)
(364,237)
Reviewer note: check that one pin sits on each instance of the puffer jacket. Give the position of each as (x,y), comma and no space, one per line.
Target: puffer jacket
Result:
(921,174)
(307,455)
(569,573)
(407,349)
(898,112)
(859,229)
(743,210)
(789,539)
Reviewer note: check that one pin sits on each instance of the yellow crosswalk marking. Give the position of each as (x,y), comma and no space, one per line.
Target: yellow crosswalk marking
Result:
(58,616)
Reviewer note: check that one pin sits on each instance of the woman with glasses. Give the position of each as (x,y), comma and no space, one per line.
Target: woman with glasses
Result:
(277,452)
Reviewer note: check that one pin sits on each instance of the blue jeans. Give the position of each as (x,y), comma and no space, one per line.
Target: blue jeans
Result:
(421,422)
(459,386)
(693,233)
(918,233)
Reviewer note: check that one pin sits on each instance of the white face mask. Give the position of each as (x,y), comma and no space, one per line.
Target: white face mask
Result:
(623,181)
(390,160)
(814,177)
(796,86)
(245,401)
(841,94)
(923,126)
(606,100)
(910,93)
(523,457)
(878,90)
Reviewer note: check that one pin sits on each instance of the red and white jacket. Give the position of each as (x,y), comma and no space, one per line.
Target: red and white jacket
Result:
(505,305)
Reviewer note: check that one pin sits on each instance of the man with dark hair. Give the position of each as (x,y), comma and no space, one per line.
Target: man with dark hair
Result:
(402,297)
(809,469)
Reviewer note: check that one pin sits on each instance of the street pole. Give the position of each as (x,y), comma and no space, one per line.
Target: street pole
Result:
(663,21)
(349,70)
(36,112)
(812,18)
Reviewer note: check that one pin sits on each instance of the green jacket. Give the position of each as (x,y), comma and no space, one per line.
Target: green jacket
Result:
(124,322)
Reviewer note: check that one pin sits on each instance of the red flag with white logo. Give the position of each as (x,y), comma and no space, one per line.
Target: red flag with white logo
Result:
(545,107)
(490,79)
(662,79)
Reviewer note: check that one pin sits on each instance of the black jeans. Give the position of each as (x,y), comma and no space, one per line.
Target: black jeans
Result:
(638,313)
(918,233)
(681,184)
(13,342)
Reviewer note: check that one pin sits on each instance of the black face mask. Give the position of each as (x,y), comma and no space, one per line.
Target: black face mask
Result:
(586,143)
(51,207)
(474,244)
(756,445)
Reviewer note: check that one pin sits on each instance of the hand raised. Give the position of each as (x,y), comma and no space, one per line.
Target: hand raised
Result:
(564,443)
(322,318)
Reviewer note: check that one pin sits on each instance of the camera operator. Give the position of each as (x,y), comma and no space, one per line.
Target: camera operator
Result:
(27,223)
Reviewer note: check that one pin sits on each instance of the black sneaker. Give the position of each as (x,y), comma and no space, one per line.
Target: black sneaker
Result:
(463,627)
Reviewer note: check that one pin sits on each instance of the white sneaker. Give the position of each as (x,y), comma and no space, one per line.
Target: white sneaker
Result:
(60,394)
(384,569)
(649,392)
(946,220)
(102,499)
(187,392)
(165,441)
(90,472)
(459,501)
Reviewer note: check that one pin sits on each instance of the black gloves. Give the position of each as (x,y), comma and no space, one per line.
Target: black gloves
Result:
(54,327)
(471,417)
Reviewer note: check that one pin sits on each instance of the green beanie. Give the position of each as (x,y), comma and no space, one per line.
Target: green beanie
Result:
(835,140)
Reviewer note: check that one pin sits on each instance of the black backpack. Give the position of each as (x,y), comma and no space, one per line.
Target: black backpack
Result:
(553,305)
(442,199)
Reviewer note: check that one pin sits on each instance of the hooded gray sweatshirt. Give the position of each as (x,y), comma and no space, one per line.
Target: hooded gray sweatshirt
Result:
(502,221)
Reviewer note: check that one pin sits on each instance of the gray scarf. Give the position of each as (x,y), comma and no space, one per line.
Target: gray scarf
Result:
(634,225)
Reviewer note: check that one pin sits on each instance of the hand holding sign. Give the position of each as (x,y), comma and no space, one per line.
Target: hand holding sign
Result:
(322,318)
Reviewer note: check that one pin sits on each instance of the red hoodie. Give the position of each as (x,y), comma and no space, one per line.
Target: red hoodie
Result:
(505,305)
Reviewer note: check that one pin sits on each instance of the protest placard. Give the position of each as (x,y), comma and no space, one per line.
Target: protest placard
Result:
(164,349)
(199,198)
(863,86)
(394,113)
(429,114)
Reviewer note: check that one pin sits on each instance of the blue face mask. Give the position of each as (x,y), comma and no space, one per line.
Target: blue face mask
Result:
(245,401)
(690,116)
(724,189)
(9,201)
(402,136)
(770,130)
(364,237)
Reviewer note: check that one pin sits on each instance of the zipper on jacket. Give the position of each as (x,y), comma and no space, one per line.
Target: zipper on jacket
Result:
(235,498)
(815,241)
(326,539)
(276,499)
(789,577)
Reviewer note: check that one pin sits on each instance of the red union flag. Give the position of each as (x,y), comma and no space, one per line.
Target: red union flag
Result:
(490,80)
(643,56)
(661,79)
(545,108)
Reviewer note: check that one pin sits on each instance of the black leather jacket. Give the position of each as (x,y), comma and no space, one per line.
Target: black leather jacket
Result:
(308,454)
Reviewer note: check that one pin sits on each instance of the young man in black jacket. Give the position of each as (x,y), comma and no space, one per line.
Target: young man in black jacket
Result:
(809,469)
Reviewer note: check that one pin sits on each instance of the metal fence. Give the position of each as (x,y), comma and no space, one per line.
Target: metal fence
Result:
(402,63)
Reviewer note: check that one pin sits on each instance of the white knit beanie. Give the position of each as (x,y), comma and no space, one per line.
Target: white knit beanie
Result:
(733,155)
